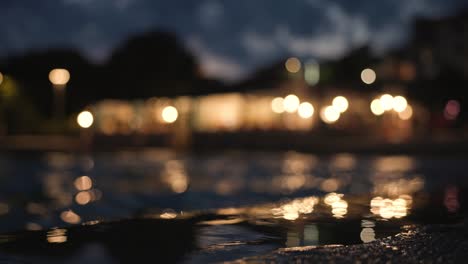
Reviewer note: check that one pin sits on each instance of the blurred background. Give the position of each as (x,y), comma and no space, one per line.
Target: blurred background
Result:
(228,128)
(314,74)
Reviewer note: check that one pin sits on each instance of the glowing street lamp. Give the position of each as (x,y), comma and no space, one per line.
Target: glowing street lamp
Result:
(329,114)
(59,79)
(170,114)
(399,103)
(406,114)
(59,76)
(376,107)
(368,76)
(386,101)
(293,65)
(291,103)
(85,119)
(277,105)
(305,110)
(340,103)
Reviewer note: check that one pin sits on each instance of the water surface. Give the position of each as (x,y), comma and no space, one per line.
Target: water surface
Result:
(125,206)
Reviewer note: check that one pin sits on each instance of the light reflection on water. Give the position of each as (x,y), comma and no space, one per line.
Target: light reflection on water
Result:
(293,190)
(57,235)
(388,208)
(293,209)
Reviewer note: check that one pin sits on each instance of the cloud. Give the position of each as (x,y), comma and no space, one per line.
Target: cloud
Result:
(340,29)
(214,65)
(210,13)
(92,4)
(258,45)
(233,36)
(327,45)
(340,32)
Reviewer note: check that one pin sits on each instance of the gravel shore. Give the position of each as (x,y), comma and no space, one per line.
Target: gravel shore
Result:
(429,244)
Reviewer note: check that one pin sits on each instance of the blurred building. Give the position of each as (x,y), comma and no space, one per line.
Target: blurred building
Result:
(442,43)
(291,106)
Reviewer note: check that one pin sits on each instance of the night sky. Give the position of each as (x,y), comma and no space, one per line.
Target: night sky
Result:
(230,38)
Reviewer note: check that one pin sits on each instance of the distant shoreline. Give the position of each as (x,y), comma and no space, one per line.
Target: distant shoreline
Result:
(234,141)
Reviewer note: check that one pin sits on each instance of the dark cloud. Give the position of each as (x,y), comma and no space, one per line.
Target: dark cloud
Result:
(230,37)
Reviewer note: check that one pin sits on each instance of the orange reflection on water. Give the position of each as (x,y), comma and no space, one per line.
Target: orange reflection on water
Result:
(175,176)
(230,211)
(229,185)
(83,183)
(388,208)
(57,235)
(83,197)
(168,214)
(337,203)
(292,210)
(54,188)
(394,163)
(293,182)
(332,198)
(33,226)
(367,233)
(395,187)
(330,185)
(295,172)
(70,217)
(343,161)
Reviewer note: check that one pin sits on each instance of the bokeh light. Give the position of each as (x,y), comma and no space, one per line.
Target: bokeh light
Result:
(386,100)
(399,103)
(1,78)
(70,217)
(376,107)
(83,197)
(367,234)
(170,114)
(338,205)
(339,208)
(368,76)
(312,72)
(57,235)
(291,103)
(330,185)
(406,114)
(292,210)
(293,65)
(83,183)
(340,103)
(332,198)
(85,119)
(168,214)
(175,176)
(388,208)
(179,184)
(277,105)
(306,110)
(59,76)
(329,114)
(451,110)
